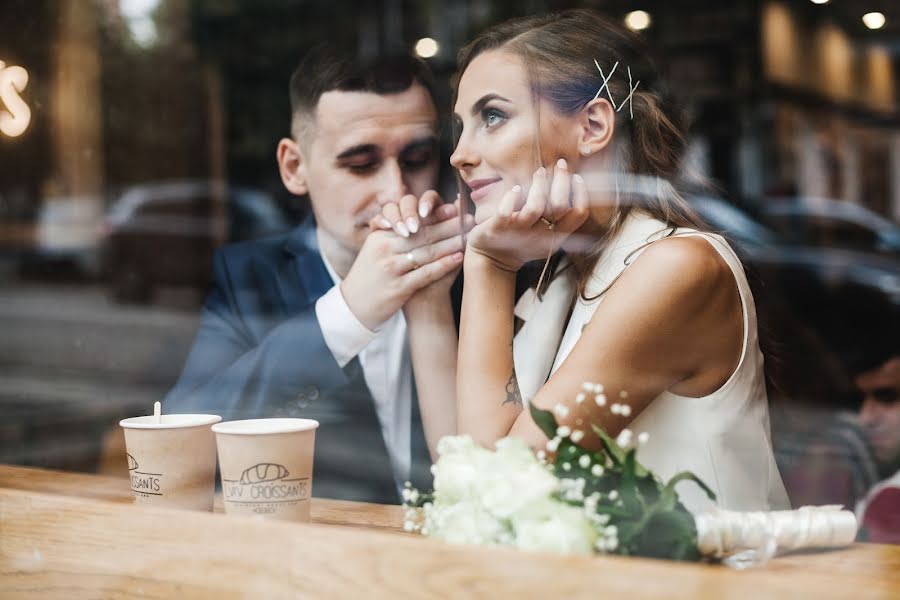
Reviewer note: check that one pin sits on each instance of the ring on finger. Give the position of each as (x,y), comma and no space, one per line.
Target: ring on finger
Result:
(412,260)
(550,224)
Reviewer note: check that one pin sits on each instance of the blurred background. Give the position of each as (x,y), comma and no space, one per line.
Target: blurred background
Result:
(136,136)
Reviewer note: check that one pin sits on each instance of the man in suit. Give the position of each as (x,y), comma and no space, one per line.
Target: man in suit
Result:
(314,324)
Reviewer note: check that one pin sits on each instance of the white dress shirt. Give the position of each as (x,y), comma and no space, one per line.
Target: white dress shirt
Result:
(386,364)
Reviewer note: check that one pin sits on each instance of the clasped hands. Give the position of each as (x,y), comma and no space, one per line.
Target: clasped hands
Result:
(525,226)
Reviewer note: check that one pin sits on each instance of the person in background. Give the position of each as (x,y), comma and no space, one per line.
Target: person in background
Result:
(879,511)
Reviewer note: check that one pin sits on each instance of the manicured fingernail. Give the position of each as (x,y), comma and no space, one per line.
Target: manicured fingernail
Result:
(562,164)
(401,229)
(577,178)
(516,189)
(413,224)
(384,223)
(542,172)
(423,209)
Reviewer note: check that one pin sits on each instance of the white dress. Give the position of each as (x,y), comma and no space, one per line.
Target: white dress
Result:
(724,437)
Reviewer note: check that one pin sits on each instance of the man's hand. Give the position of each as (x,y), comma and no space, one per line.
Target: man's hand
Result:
(390,269)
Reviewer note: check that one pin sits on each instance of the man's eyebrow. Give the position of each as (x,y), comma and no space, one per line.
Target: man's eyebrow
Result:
(357,150)
(427,141)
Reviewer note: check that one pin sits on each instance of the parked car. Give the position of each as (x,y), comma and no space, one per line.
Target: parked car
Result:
(65,238)
(836,223)
(848,298)
(165,233)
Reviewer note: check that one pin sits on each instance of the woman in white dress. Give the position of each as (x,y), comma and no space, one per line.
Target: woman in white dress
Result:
(566,140)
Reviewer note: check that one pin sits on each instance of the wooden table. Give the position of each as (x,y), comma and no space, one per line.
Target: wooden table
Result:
(75,535)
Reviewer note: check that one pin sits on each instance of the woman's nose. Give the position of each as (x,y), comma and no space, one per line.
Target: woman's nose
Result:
(463,157)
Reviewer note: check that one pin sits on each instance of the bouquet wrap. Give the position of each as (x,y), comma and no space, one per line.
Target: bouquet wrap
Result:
(723,532)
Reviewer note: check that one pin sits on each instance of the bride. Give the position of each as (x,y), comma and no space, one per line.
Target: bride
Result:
(643,321)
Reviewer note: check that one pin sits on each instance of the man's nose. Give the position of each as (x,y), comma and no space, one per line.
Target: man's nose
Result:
(393,185)
(870,411)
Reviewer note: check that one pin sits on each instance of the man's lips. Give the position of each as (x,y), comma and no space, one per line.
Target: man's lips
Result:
(481,187)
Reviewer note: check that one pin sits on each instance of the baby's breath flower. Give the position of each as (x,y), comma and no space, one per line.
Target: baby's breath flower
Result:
(567,466)
(409,526)
(542,456)
(597,470)
(587,386)
(600,399)
(623,394)
(563,431)
(615,408)
(625,411)
(553,445)
(643,437)
(624,438)
(598,388)
(579,399)
(613,495)
(577,435)
(584,461)
(561,410)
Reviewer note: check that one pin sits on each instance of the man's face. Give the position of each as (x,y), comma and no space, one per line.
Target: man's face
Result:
(368,150)
(880,412)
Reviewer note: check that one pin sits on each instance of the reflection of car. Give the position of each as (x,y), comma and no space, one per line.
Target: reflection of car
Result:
(66,236)
(165,233)
(849,298)
(826,222)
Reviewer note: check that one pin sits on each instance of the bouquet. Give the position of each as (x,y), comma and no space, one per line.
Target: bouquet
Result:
(583,501)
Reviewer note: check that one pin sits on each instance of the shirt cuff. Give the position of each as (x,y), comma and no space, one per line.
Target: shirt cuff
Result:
(344,335)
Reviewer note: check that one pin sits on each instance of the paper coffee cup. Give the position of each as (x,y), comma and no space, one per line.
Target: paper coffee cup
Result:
(267,466)
(172,462)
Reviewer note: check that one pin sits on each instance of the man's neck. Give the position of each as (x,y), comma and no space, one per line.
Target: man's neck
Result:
(338,256)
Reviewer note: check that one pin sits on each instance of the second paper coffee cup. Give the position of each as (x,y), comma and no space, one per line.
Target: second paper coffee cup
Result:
(267,466)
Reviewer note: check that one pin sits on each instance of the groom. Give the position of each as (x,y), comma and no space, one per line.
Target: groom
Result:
(310,324)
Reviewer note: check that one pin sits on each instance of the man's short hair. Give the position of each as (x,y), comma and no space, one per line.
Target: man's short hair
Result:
(328,67)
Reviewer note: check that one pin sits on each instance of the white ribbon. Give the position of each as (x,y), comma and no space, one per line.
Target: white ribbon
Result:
(750,538)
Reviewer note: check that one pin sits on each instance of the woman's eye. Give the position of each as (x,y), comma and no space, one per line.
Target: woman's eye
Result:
(492,117)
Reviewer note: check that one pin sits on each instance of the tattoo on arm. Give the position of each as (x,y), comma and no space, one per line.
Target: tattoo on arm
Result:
(513,395)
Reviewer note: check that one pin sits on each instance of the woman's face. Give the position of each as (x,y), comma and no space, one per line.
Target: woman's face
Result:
(499,122)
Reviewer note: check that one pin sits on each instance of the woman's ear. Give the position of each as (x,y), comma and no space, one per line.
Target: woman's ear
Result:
(292,167)
(597,124)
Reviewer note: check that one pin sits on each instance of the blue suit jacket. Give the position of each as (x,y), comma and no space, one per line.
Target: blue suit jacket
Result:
(259,352)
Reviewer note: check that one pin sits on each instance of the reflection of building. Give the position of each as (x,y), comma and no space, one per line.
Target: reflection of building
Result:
(786,96)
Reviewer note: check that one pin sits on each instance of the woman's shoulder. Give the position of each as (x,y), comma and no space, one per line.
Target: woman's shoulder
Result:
(687,262)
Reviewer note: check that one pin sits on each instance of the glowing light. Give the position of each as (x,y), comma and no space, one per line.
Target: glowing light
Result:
(16,116)
(820,1)
(637,20)
(427,47)
(873,20)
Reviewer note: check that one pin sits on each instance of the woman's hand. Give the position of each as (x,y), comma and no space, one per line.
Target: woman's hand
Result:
(421,221)
(526,229)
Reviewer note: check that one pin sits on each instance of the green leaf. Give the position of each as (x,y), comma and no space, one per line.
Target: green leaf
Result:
(544,419)
(688,476)
(613,450)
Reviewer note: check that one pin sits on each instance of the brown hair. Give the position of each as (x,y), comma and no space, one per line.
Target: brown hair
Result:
(327,67)
(559,52)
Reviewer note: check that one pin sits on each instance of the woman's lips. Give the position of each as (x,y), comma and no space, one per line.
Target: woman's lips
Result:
(481,188)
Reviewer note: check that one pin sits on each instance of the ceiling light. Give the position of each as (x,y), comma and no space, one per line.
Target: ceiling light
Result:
(427,47)
(637,20)
(873,20)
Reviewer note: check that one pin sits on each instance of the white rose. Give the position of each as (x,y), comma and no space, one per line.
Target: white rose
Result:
(465,522)
(514,479)
(457,473)
(551,526)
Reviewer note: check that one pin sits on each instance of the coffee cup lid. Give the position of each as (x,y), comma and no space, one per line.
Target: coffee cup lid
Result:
(265,426)
(169,421)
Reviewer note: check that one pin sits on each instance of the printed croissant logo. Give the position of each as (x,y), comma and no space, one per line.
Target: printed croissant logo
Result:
(263,472)
(132,463)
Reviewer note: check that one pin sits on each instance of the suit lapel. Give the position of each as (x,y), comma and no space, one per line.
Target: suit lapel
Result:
(303,279)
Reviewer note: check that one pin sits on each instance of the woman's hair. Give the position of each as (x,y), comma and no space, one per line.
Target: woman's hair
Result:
(559,51)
